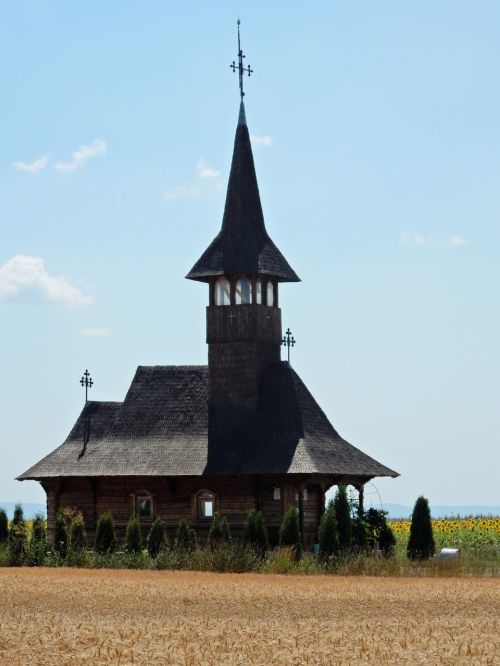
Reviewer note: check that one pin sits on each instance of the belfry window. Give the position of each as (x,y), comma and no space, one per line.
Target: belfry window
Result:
(222,291)
(243,294)
(270,294)
(258,291)
(205,505)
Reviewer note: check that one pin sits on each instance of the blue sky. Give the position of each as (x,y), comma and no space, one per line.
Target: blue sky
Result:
(376,142)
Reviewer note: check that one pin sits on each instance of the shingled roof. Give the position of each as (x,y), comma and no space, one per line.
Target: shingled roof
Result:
(163,428)
(243,244)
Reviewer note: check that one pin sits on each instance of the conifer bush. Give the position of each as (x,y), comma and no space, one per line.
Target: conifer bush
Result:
(255,533)
(186,540)
(4,526)
(105,539)
(18,538)
(379,531)
(133,537)
(328,533)
(290,531)
(61,534)
(219,533)
(343,515)
(37,548)
(157,537)
(77,534)
(421,541)
(387,540)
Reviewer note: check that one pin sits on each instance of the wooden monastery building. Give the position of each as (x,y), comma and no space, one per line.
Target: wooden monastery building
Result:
(241,432)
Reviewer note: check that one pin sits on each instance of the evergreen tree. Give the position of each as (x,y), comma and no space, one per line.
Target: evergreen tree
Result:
(182,537)
(60,534)
(157,537)
(133,537)
(18,518)
(77,534)
(37,548)
(343,515)
(4,526)
(328,533)
(290,531)
(255,533)
(105,539)
(18,544)
(359,534)
(387,540)
(219,532)
(421,542)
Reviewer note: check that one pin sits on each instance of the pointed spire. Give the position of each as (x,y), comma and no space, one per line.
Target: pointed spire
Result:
(243,244)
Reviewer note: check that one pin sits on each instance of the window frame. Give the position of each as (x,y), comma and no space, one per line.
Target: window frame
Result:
(201,497)
(138,496)
(222,280)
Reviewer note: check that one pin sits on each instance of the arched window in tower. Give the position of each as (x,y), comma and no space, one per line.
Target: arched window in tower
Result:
(270,294)
(258,291)
(222,291)
(243,291)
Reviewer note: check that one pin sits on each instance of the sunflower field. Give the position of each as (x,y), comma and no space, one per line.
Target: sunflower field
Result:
(472,532)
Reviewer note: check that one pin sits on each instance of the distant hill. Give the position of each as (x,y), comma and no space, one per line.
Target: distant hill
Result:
(401,511)
(29,509)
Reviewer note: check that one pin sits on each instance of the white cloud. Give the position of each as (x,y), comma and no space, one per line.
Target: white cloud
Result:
(33,167)
(80,157)
(207,184)
(265,140)
(414,239)
(25,272)
(103,332)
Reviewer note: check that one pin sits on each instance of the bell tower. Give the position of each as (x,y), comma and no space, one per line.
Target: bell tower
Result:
(243,268)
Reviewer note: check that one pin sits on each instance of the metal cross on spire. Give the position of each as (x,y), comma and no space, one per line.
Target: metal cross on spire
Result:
(88,382)
(288,341)
(241,69)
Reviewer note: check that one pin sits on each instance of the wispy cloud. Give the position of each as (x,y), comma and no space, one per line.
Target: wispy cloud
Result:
(25,272)
(103,332)
(81,157)
(265,140)
(414,239)
(208,183)
(32,167)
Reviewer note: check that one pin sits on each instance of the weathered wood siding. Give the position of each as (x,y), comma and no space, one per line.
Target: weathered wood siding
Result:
(175,499)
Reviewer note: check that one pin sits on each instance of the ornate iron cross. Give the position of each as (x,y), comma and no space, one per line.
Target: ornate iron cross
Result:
(88,382)
(288,341)
(241,69)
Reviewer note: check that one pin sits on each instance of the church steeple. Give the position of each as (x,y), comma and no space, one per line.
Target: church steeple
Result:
(243,245)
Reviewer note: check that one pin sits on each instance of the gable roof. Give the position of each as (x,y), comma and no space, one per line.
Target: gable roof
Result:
(243,244)
(163,428)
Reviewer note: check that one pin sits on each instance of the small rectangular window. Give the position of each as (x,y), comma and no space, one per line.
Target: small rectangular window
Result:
(144,508)
(276,493)
(207,508)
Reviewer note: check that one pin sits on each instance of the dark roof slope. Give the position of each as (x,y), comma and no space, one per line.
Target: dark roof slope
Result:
(163,429)
(243,245)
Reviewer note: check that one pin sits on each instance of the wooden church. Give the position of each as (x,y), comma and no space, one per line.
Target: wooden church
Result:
(240,432)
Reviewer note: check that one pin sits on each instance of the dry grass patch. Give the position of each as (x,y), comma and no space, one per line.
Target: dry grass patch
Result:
(68,616)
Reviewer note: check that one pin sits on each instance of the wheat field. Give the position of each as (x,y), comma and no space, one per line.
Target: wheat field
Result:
(70,616)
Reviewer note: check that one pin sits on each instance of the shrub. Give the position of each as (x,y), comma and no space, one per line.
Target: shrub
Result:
(18,544)
(379,531)
(77,534)
(387,540)
(105,539)
(290,531)
(133,537)
(421,542)
(60,534)
(157,537)
(328,533)
(4,526)
(343,515)
(255,533)
(219,532)
(185,538)
(37,548)
(18,518)
(359,534)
